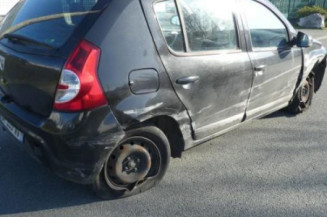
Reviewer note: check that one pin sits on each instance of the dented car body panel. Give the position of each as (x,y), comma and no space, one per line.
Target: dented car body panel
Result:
(314,59)
(130,108)
(73,145)
(191,97)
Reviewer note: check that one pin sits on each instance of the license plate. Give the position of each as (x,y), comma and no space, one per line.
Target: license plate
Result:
(13,130)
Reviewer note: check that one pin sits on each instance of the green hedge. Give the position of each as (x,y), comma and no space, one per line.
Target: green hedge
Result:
(290,7)
(307,10)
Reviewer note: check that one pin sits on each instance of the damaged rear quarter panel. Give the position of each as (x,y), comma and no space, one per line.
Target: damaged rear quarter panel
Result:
(123,53)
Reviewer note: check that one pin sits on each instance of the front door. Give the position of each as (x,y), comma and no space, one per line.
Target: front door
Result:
(276,62)
(200,46)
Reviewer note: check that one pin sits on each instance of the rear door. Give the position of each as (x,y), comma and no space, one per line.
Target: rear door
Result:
(276,62)
(200,45)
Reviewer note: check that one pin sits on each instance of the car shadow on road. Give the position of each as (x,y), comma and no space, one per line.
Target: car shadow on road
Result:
(280,113)
(27,186)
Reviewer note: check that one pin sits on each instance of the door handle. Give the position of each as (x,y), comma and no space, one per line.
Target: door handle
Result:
(260,68)
(188,80)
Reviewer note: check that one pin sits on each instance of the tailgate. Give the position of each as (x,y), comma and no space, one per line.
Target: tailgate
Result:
(35,38)
(30,80)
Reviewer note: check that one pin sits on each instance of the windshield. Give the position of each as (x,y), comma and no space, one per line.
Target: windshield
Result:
(49,22)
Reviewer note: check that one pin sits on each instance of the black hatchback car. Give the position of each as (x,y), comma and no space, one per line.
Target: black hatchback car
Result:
(105,91)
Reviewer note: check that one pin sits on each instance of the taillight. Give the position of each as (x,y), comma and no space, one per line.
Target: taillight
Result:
(79,88)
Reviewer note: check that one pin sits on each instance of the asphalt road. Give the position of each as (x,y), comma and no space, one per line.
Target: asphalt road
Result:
(275,166)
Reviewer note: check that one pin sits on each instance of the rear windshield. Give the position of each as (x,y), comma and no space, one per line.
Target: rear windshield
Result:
(49,22)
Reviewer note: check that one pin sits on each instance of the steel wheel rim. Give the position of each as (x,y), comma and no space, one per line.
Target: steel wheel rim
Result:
(136,152)
(305,92)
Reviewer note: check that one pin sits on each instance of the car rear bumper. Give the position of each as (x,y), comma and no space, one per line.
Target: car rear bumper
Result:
(73,145)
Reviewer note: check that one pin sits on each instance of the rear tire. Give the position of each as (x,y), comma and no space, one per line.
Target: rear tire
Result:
(303,98)
(137,164)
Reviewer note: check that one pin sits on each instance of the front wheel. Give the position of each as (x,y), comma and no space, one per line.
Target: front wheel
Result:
(303,98)
(137,164)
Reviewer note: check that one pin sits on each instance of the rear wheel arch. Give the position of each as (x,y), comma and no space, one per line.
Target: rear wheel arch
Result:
(138,163)
(171,128)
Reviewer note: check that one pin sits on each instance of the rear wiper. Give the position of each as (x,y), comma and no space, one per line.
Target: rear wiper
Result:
(22,39)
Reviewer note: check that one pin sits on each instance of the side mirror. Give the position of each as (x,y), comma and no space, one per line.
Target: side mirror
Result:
(303,40)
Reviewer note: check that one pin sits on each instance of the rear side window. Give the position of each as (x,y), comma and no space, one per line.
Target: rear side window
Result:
(267,30)
(209,24)
(169,21)
(53,20)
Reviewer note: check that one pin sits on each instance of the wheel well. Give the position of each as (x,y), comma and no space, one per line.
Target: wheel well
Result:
(319,73)
(170,127)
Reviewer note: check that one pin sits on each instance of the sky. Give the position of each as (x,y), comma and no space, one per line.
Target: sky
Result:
(6,5)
